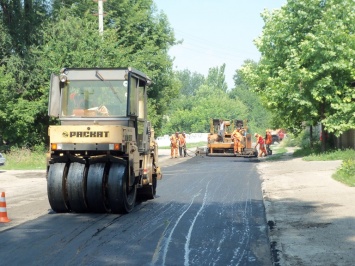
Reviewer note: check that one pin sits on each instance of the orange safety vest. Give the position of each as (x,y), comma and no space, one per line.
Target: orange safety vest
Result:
(268,140)
(237,135)
(182,140)
(260,140)
(173,140)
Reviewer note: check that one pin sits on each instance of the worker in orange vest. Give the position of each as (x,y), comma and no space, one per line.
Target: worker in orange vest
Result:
(268,141)
(182,144)
(260,142)
(174,145)
(221,131)
(281,135)
(237,139)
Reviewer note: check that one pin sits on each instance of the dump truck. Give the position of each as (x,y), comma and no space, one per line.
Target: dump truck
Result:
(102,153)
(218,145)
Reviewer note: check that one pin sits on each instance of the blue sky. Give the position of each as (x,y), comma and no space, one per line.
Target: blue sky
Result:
(215,32)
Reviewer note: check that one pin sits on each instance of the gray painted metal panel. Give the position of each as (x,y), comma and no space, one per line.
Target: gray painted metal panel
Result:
(96,74)
(54,97)
(85,147)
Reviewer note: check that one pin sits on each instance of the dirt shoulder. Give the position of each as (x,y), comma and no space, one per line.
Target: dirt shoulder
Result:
(26,195)
(311,216)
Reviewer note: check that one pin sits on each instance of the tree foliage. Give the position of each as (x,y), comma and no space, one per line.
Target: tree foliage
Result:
(204,98)
(5,42)
(23,19)
(65,34)
(190,82)
(307,67)
(216,78)
(40,37)
(258,116)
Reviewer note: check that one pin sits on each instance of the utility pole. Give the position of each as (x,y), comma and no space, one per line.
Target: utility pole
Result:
(101,17)
(100,14)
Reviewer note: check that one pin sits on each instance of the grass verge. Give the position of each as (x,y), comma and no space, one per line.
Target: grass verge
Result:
(277,153)
(345,173)
(24,159)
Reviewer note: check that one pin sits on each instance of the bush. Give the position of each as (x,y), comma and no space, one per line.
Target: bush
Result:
(345,173)
(25,159)
(331,155)
(290,141)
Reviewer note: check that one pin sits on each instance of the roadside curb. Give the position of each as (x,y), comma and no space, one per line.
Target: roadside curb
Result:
(276,249)
(275,246)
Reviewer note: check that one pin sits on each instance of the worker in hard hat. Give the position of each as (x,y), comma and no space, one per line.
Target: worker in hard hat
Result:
(260,141)
(268,141)
(182,144)
(221,130)
(174,145)
(237,139)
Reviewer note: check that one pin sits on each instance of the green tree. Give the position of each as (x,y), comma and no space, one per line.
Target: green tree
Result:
(192,113)
(136,37)
(149,37)
(306,66)
(6,80)
(216,78)
(5,43)
(208,103)
(259,118)
(190,82)
(23,20)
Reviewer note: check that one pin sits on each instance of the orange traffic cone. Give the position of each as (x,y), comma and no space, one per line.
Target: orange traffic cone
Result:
(3,211)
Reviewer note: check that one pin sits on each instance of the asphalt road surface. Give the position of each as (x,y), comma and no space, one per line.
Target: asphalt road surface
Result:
(208,211)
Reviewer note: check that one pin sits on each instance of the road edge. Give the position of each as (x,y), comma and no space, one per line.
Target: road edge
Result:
(275,247)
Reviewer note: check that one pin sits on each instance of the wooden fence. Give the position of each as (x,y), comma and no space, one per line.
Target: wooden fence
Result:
(346,140)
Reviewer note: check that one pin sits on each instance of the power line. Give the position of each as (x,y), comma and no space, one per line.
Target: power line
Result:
(201,45)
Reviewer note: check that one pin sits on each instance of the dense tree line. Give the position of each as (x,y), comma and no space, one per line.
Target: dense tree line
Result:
(202,98)
(304,76)
(307,68)
(40,37)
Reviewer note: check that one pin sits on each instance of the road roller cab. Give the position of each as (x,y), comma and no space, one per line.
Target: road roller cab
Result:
(103,154)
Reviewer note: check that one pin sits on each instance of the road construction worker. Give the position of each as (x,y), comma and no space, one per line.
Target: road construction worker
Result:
(221,130)
(260,141)
(174,145)
(237,139)
(182,144)
(281,135)
(268,141)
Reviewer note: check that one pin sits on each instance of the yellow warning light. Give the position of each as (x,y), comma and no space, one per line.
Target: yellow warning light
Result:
(54,146)
(116,146)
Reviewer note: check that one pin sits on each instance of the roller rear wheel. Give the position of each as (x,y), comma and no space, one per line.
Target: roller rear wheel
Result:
(56,189)
(96,182)
(121,196)
(76,187)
